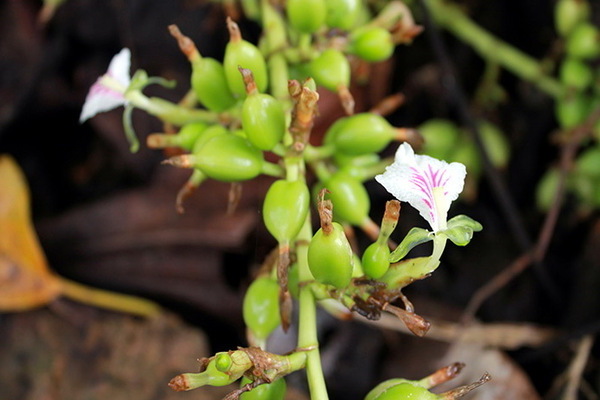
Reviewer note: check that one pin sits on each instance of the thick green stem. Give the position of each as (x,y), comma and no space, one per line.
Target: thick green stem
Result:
(170,112)
(271,169)
(307,319)
(491,48)
(307,330)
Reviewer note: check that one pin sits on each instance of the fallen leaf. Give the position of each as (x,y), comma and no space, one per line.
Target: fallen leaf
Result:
(25,279)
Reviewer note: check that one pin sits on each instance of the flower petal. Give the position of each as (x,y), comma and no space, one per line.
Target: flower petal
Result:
(100,99)
(119,67)
(108,91)
(428,184)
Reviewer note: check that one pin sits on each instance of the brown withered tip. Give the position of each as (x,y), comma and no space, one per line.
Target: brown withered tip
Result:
(234,30)
(392,209)
(461,391)
(179,383)
(183,161)
(445,374)
(454,369)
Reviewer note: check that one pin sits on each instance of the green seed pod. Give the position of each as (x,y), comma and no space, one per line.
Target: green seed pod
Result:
(306,16)
(495,144)
(207,134)
(357,269)
(583,41)
(572,110)
(371,43)
(189,133)
(363,133)
(441,138)
(376,260)
(330,257)
(570,13)
(466,153)
(349,197)
(330,69)
(588,163)
(331,133)
(342,14)
(404,390)
(546,189)
(263,120)
(576,73)
(228,158)
(241,53)
(268,391)
(210,84)
(184,139)
(285,209)
(261,307)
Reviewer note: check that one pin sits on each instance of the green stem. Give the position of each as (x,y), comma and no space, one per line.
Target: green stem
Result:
(491,48)
(321,170)
(368,172)
(271,169)
(439,244)
(307,330)
(314,153)
(109,300)
(170,112)
(278,76)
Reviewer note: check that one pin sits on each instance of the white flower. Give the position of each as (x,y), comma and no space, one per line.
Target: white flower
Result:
(428,184)
(109,90)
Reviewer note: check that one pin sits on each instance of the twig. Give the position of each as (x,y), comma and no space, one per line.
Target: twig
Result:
(575,370)
(508,336)
(495,284)
(568,153)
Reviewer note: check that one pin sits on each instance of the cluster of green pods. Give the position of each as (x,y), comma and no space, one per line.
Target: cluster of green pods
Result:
(579,73)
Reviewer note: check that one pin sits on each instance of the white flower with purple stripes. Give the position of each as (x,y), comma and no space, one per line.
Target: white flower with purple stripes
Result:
(428,184)
(109,90)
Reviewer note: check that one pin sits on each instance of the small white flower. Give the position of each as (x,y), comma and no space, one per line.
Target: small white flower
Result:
(109,90)
(428,184)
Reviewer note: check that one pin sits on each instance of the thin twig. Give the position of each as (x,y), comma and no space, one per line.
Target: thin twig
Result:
(577,366)
(567,156)
(495,284)
(508,336)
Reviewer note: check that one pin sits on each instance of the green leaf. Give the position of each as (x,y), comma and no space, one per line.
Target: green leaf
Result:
(463,220)
(460,230)
(414,237)
(139,80)
(460,236)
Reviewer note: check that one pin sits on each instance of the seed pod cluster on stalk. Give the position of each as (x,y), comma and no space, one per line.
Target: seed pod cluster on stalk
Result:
(578,72)
(251,115)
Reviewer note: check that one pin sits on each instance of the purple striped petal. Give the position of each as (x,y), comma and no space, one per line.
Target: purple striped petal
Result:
(108,91)
(427,184)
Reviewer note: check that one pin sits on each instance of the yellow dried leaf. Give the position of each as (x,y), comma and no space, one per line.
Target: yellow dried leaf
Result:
(25,280)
